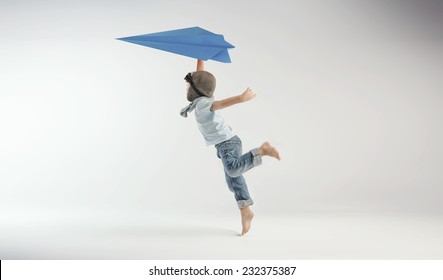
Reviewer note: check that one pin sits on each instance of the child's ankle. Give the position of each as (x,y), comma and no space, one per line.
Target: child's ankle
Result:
(261,151)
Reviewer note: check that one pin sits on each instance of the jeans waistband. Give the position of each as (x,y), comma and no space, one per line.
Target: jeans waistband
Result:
(235,137)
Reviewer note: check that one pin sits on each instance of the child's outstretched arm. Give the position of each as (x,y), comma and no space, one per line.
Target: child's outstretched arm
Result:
(247,95)
(200,65)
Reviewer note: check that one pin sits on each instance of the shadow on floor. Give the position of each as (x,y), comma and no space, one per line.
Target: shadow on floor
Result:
(169,231)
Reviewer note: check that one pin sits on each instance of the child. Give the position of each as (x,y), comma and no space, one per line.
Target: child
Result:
(216,132)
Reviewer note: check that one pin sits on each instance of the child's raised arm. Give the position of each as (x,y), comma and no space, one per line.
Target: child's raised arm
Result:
(200,65)
(247,95)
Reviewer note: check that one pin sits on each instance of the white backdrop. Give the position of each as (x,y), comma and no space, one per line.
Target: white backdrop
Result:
(349,91)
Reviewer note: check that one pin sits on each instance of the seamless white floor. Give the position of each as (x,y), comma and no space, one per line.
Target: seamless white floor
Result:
(308,236)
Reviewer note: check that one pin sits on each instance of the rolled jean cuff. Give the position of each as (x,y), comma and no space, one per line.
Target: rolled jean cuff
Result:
(244,203)
(256,157)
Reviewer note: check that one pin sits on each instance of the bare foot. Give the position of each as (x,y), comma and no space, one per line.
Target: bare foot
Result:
(267,150)
(246,218)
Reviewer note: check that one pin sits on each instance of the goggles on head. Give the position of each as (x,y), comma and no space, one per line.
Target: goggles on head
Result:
(188,78)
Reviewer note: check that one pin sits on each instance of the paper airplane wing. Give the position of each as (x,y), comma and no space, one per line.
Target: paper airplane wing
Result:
(193,42)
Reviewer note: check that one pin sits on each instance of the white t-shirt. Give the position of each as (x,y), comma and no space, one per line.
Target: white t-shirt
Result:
(210,123)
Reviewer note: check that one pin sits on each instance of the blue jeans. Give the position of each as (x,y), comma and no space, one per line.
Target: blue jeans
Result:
(235,164)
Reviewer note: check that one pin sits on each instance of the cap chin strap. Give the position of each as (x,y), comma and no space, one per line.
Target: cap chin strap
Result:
(188,79)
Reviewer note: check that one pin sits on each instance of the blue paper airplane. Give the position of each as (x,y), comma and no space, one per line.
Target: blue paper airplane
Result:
(194,42)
